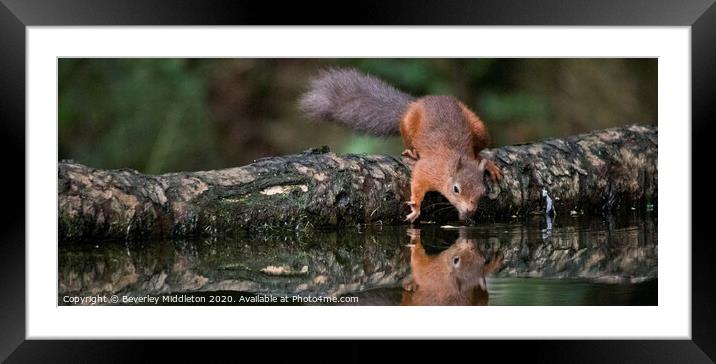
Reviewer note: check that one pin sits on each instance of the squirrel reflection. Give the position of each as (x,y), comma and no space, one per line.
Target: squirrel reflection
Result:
(455,276)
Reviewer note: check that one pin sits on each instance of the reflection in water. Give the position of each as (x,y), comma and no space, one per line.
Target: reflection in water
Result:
(454,276)
(547,231)
(374,263)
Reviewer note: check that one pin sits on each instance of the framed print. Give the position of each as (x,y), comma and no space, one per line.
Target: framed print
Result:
(309,180)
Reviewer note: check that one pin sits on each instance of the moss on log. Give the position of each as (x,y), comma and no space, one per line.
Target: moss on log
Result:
(347,261)
(598,171)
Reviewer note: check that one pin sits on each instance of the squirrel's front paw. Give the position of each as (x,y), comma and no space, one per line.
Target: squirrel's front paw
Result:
(413,215)
(410,153)
(494,171)
(410,285)
(413,234)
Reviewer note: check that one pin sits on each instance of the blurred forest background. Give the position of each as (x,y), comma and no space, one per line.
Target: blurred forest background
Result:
(163,115)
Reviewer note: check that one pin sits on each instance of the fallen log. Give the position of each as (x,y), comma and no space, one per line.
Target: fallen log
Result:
(598,171)
(349,261)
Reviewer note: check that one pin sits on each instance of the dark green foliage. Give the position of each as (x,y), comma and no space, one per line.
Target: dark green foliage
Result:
(162,114)
(146,114)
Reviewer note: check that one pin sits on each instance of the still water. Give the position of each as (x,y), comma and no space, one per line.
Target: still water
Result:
(570,260)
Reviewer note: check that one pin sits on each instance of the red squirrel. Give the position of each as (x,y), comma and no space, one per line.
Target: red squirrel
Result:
(455,276)
(440,133)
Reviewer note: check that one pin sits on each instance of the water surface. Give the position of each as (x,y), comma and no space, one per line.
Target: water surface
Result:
(570,260)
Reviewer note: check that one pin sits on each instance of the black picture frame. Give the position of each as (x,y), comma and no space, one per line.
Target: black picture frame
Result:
(16,15)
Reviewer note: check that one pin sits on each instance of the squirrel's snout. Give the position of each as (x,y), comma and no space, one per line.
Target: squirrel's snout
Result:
(466,213)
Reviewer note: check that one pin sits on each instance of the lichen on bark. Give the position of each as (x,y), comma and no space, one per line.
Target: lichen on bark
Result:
(599,171)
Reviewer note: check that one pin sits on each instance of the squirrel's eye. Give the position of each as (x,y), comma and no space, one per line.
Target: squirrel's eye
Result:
(455,189)
(455,260)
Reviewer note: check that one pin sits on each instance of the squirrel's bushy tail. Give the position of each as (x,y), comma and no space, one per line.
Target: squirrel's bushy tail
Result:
(357,100)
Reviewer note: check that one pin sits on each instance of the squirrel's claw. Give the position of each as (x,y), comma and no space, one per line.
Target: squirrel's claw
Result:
(410,153)
(413,234)
(414,211)
(494,171)
(410,285)
(413,216)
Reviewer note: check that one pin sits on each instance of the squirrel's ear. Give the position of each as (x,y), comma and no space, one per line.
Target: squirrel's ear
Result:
(481,166)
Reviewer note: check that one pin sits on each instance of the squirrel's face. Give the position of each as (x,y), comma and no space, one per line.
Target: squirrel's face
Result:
(456,276)
(468,270)
(466,187)
(465,263)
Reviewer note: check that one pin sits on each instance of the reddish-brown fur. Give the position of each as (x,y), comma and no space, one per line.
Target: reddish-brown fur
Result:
(481,140)
(446,138)
(439,280)
(440,133)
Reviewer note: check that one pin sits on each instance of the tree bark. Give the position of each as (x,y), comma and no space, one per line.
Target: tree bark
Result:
(594,172)
(347,262)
